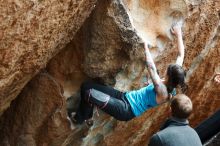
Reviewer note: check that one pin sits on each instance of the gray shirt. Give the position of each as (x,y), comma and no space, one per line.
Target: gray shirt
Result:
(175,132)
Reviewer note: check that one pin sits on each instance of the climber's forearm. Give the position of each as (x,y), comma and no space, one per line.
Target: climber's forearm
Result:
(177,31)
(181,50)
(151,66)
(158,84)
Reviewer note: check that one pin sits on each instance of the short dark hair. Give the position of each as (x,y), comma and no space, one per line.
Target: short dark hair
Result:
(181,106)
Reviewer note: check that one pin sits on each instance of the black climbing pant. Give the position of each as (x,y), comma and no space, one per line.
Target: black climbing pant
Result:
(209,127)
(111,101)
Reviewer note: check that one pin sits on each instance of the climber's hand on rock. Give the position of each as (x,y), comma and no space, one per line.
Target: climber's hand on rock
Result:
(217,78)
(176,29)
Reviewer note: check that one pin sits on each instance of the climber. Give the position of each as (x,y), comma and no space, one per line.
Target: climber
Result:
(125,106)
(176,130)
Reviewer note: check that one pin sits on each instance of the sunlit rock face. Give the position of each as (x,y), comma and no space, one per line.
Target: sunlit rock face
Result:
(31,33)
(108,48)
(153,20)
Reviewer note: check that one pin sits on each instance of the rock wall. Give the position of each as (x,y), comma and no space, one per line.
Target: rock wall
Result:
(31,33)
(108,48)
(39,115)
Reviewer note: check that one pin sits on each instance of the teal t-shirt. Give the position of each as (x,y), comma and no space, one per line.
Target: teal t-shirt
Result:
(142,99)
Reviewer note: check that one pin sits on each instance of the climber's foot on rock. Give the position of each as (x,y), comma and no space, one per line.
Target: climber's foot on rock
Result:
(89,122)
(73,122)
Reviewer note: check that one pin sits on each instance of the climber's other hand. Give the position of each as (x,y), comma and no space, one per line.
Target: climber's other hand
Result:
(176,29)
(217,78)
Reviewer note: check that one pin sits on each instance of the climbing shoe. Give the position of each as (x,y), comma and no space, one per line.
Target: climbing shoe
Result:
(89,122)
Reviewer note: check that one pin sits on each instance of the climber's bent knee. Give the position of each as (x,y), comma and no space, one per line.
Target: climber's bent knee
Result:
(97,98)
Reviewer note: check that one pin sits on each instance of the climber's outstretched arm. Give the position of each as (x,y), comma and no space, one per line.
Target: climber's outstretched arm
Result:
(158,84)
(176,30)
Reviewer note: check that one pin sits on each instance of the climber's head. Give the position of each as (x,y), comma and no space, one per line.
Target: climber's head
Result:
(175,76)
(181,106)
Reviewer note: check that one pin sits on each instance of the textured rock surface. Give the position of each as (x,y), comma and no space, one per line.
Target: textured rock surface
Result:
(66,66)
(148,16)
(201,36)
(31,33)
(107,47)
(39,115)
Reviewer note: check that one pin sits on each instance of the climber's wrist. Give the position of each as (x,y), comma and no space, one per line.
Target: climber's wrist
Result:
(179,35)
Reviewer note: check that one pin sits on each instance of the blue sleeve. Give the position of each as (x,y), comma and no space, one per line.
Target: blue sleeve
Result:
(152,96)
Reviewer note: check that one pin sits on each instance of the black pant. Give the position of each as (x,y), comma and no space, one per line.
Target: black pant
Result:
(117,106)
(209,127)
